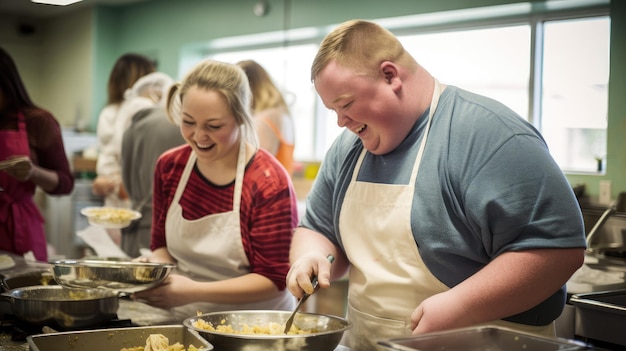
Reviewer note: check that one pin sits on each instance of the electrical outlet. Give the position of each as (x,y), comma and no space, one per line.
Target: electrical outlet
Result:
(605,192)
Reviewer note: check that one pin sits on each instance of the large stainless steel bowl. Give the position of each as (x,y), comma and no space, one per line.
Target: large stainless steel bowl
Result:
(62,307)
(120,276)
(326,331)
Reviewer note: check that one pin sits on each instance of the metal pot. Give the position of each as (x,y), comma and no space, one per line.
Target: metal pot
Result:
(120,276)
(62,307)
(325,335)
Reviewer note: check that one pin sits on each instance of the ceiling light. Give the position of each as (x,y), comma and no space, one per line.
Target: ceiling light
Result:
(56,2)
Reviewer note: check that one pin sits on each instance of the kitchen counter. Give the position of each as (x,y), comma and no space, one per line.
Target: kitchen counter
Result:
(139,314)
(7,345)
(587,279)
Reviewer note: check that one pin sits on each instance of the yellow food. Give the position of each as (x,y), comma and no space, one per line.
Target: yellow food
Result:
(46,279)
(78,294)
(6,261)
(159,342)
(271,329)
(144,274)
(110,215)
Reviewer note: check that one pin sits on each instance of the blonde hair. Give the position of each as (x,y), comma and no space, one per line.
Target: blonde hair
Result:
(265,94)
(361,46)
(225,78)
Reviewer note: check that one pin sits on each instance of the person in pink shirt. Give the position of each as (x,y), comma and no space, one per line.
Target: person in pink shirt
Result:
(31,135)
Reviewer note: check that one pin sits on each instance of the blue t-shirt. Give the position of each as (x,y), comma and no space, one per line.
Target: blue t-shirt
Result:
(486,185)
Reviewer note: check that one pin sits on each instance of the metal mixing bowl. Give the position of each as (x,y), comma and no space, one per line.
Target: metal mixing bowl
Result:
(62,307)
(325,336)
(120,276)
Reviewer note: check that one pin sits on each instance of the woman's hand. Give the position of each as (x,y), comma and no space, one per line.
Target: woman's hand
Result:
(21,170)
(103,186)
(173,292)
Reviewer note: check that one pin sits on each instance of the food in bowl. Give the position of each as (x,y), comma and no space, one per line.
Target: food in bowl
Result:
(272,328)
(6,261)
(110,217)
(325,330)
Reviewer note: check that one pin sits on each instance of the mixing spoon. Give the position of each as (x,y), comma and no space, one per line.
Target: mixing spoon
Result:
(289,322)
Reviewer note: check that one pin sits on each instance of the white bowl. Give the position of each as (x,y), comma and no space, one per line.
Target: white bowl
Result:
(110,217)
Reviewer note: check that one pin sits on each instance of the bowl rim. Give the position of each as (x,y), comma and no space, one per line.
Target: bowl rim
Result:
(102,293)
(94,263)
(188,322)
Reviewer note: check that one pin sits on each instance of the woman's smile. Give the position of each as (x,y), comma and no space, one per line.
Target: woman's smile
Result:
(204,147)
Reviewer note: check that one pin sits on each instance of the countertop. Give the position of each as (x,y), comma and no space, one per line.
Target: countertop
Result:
(139,314)
(588,280)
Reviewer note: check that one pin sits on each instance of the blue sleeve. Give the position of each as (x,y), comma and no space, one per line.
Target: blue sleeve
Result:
(521,200)
(323,203)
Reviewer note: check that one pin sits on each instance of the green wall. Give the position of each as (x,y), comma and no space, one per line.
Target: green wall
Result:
(162,28)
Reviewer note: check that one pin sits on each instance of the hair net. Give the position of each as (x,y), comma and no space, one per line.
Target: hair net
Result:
(154,86)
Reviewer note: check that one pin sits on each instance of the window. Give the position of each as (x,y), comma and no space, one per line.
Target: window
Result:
(494,62)
(290,69)
(550,68)
(574,100)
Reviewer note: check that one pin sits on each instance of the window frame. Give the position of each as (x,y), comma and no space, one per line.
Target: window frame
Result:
(533,14)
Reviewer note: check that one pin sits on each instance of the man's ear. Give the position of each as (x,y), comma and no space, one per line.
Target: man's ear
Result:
(390,73)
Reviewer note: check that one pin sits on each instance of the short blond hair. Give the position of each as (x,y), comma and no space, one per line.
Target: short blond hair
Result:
(227,79)
(362,46)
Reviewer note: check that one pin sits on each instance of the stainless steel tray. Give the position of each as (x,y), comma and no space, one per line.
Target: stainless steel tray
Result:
(481,339)
(601,315)
(113,339)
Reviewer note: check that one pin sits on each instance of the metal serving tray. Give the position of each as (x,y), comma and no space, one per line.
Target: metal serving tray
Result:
(114,339)
(601,315)
(492,338)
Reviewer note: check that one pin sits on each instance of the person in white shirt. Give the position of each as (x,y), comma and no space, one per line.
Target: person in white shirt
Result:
(112,121)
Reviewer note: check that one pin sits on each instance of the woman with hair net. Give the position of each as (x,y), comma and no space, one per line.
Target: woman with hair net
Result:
(149,134)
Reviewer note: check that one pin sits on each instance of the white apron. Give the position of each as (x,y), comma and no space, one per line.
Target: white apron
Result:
(210,248)
(375,225)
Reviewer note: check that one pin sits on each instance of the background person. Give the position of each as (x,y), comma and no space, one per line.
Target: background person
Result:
(113,121)
(32,133)
(223,209)
(272,119)
(149,135)
(445,206)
